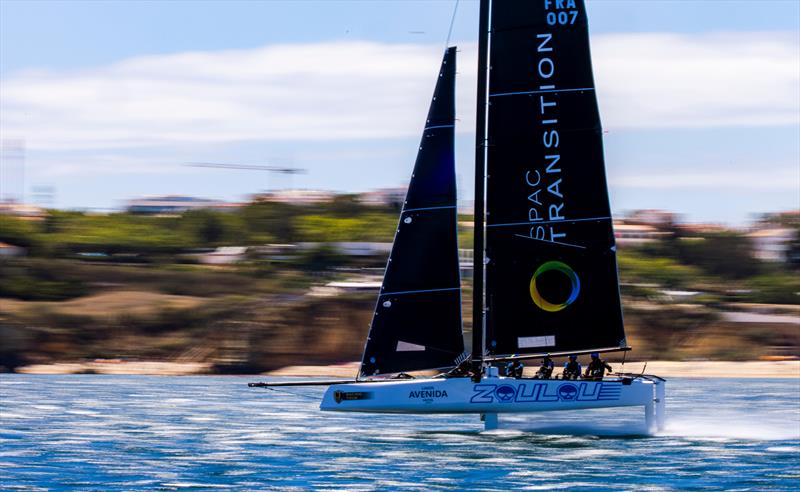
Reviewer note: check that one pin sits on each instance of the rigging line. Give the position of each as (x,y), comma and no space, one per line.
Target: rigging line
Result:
(552,242)
(547,222)
(452,23)
(541,91)
(308,397)
(418,291)
(427,208)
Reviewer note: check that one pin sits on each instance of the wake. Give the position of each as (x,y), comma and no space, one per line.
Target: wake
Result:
(734,425)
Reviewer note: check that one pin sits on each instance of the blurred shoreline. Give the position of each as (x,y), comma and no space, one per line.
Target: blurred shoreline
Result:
(667,369)
(270,285)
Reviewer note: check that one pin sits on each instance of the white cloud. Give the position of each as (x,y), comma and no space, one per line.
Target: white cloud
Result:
(702,80)
(366,90)
(780,179)
(288,92)
(48,168)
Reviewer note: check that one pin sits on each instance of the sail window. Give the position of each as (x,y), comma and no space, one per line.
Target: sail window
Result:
(530,342)
(409,347)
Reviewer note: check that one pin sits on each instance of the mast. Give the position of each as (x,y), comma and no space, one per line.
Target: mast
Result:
(478,339)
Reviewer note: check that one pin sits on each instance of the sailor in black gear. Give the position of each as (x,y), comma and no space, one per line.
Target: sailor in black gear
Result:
(461,371)
(519,367)
(546,369)
(572,369)
(596,368)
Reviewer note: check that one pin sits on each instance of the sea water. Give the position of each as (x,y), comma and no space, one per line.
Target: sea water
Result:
(92,432)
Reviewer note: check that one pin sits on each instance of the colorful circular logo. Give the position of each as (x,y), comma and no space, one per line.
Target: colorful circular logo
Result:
(573,280)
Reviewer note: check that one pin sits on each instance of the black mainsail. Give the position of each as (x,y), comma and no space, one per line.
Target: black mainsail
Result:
(417,319)
(551,270)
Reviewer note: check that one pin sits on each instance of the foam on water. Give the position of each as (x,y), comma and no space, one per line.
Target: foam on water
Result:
(784,449)
(727,428)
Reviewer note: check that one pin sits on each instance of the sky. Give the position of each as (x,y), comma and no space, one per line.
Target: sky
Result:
(700,99)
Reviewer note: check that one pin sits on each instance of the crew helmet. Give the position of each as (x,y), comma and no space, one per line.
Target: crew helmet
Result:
(595,355)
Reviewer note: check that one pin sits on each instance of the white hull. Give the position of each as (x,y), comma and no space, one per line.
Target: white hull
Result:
(495,395)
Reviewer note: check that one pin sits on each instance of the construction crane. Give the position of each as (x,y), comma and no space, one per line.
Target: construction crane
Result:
(286,170)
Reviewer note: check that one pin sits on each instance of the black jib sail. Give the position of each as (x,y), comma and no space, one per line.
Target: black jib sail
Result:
(417,319)
(551,264)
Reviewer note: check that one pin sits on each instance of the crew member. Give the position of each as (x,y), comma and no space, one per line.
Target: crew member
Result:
(546,369)
(461,371)
(596,368)
(517,369)
(572,369)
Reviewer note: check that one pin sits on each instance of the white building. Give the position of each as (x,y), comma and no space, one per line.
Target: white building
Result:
(9,250)
(360,248)
(772,244)
(225,255)
(174,204)
(22,210)
(637,234)
(651,217)
(296,197)
(384,197)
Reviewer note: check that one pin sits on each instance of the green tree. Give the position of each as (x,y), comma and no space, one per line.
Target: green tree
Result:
(725,254)
(270,221)
(635,267)
(18,232)
(345,206)
(207,227)
(776,287)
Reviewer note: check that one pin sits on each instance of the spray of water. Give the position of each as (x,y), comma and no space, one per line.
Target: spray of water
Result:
(734,425)
(699,424)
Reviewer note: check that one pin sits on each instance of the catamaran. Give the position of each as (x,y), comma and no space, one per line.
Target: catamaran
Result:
(545,272)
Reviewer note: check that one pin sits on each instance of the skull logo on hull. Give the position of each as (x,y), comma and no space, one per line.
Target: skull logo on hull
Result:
(505,393)
(567,391)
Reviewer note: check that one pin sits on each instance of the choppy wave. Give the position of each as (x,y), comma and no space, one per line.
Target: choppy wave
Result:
(209,433)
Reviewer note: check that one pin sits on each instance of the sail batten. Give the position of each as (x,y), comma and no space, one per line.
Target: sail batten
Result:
(541,91)
(428,208)
(541,222)
(423,291)
(417,320)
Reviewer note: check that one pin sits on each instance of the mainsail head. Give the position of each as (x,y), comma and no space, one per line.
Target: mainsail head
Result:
(417,319)
(551,269)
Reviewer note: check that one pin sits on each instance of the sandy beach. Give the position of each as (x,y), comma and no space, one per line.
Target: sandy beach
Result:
(667,369)
(155,368)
